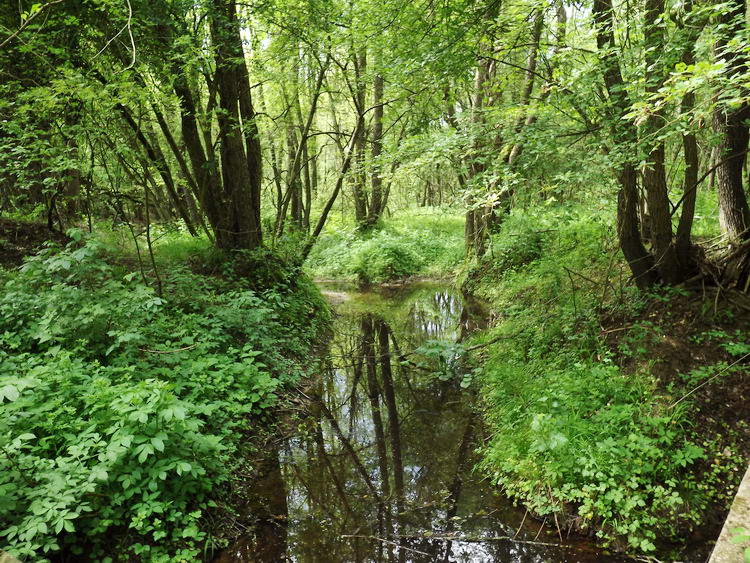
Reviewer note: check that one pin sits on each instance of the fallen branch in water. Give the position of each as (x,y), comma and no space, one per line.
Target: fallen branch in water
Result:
(388,542)
(479,539)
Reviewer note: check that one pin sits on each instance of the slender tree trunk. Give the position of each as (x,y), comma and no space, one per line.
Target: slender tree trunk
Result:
(394,425)
(528,83)
(295,187)
(683,241)
(373,394)
(654,173)
(358,179)
(156,157)
(639,259)
(474,226)
(348,154)
(307,200)
(272,151)
(295,167)
(376,200)
(560,32)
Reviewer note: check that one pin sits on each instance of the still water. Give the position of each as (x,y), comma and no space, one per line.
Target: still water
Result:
(376,462)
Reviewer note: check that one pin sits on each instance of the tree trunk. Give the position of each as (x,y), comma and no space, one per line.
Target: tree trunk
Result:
(373,394)
(528,83)
(358,180)
(204,170)
(239,226)
(394,426)
(624,134)
(560,32)
(654,173)
(376,200)
(683,243)
(474,227)
(729,124)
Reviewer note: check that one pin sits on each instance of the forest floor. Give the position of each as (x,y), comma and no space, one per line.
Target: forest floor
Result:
(695,346)
(685,335)
(23,238)
(619,413)
(128,395)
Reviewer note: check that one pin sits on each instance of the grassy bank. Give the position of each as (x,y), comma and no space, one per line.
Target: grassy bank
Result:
(419,242)
(128,399)
(590,387)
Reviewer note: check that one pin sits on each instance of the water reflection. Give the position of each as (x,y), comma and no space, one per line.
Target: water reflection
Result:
(379,467)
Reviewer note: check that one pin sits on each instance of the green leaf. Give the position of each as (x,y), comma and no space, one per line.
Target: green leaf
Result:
(158,443)
(9,393)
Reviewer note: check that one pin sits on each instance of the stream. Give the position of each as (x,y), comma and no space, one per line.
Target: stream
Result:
(378,464)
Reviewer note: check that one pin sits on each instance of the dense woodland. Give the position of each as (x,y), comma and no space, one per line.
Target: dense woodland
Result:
(175,174)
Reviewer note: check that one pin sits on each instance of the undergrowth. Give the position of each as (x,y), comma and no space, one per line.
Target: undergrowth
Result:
(420,242)
(580,434)
(124,411)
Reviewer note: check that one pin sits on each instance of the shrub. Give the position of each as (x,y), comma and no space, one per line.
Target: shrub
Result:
(385,258)
(424,241)
(124,411)
(573,434)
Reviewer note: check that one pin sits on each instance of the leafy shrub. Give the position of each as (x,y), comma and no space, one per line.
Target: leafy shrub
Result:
(518,243)
(124,411)
(588,436)
(417,242)
(384,258)
(572,433)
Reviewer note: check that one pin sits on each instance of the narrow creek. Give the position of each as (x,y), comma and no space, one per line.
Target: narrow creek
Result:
(379,463)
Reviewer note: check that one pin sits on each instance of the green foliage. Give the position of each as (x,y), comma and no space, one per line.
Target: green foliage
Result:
(384,257)
(741,536)
(420,242)
(573,434)
(589,436)
(124,411)
(518,244)
(443,359)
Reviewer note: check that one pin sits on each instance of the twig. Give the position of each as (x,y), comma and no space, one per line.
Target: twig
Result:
(479,539)
(617,329)
(518,531)
(540,528)
(685,396)
(559,533)
(116,35)
(28,21)
(492,341)
(573,272)
(388,542)
(168,351)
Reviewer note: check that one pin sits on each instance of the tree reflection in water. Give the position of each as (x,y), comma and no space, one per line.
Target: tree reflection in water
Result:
(380,466)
